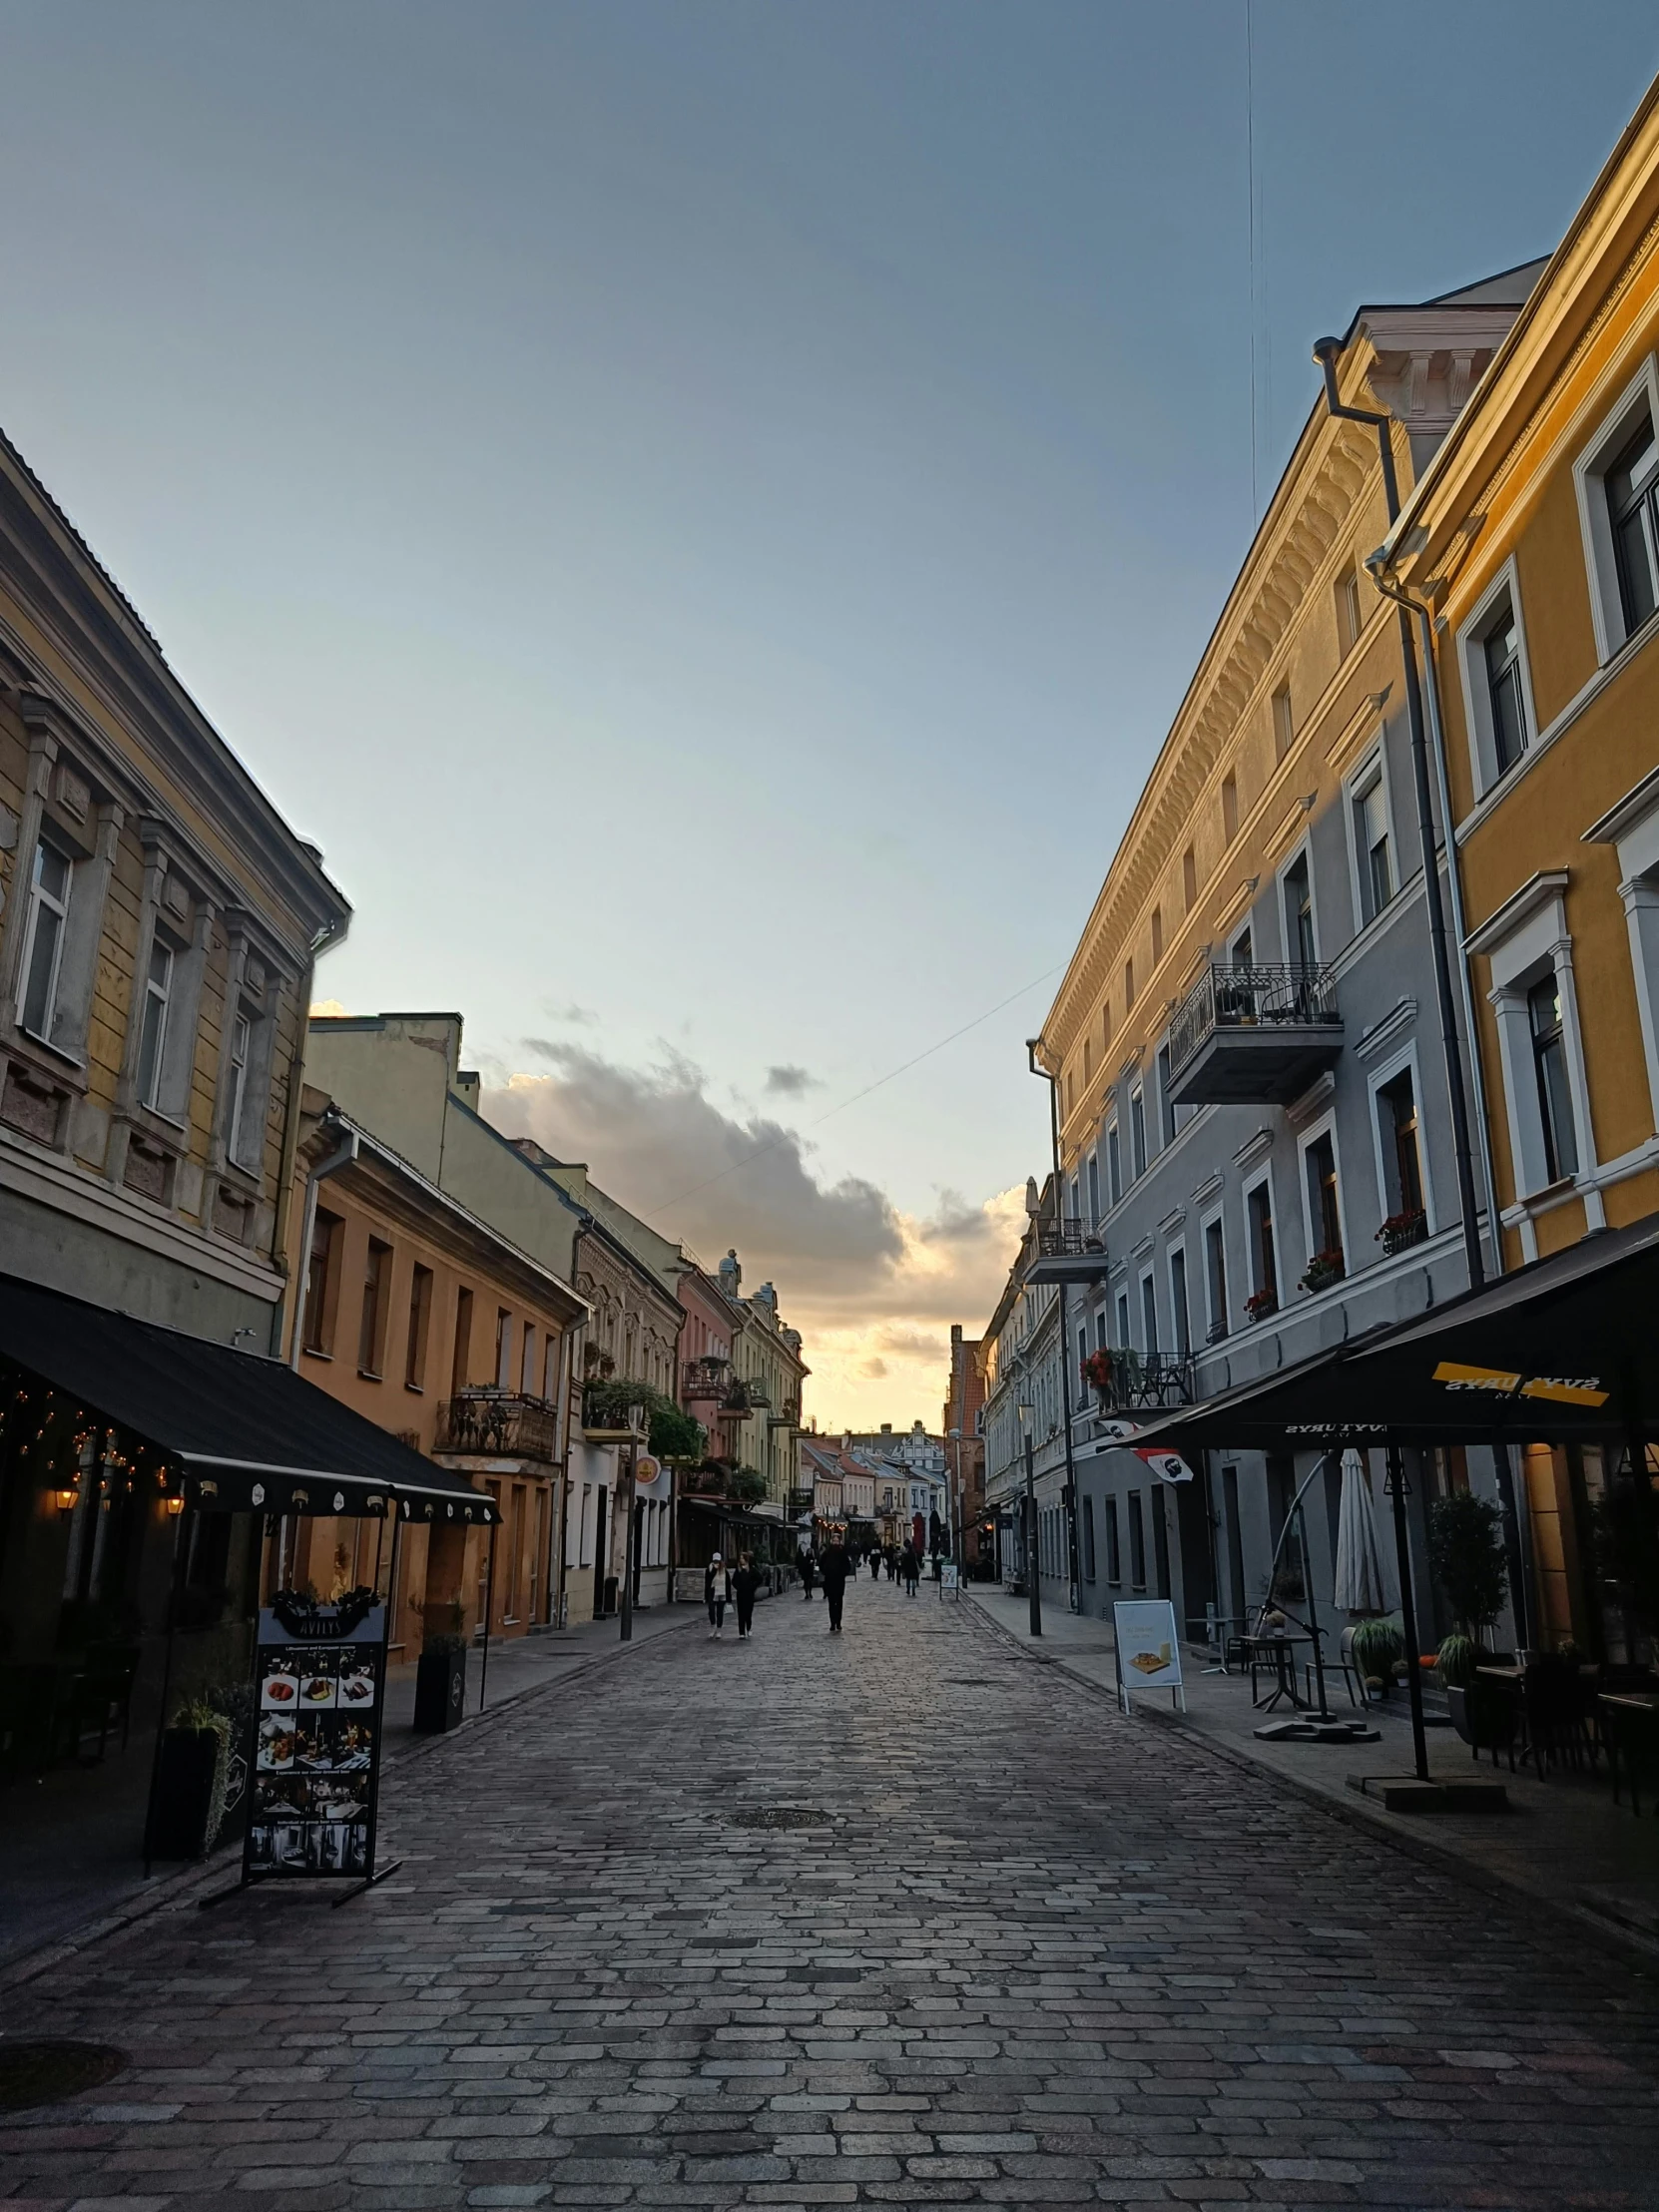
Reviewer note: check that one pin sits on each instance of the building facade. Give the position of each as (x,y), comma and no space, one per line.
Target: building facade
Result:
(1254,1101)
(966,1453)
(1532,545)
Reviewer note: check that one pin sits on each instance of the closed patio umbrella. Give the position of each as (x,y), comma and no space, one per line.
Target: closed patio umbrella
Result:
(1360,1586)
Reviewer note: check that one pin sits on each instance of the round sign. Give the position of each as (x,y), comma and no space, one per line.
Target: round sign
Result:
(647,1470)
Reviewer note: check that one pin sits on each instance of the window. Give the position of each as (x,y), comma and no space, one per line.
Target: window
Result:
(1082,1356)
(1284,724)
(1157,935)
(1371,838)
(1215,1279)
(1632,488)
(319,1282)
(1178,1302)
(1088,1539)
(1263,1260)
(157,990)
(1349,615)
(1325,1221)
(1300,948)
(1095,1187)
(1230,807)
(1166,1105)
(1501,654)
(1128,984)
(242,1039)
(503,1347)
(372,1328)
(1550,1064)
(1397,1122)
(1114,1162)
(1137,1132)
(48,916)
(1088,1059)
(1244,950)
(420,1321)
(1149,1313)
(1114,1556)
(527,1361)
(460,1360)
(1189,880)
(1137,1542)
(1125,1340)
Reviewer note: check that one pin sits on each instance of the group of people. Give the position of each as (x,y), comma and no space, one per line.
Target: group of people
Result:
(834,1567)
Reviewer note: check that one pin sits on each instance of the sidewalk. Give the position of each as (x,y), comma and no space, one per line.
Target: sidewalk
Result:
(70,1868)
(1564,1844)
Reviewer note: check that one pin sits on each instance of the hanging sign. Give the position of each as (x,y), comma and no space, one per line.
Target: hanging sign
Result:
(320,1676)
(1148,1650)
(1169,1466)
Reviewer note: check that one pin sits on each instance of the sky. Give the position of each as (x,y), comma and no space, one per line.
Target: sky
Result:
(706,510)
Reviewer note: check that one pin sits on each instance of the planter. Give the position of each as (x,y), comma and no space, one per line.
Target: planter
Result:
(440,1691)
(189,1793)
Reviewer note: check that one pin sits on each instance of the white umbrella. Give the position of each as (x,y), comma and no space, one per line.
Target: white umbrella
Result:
(1360,1584)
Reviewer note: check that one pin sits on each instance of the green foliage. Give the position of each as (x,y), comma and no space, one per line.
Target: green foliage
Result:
(1628,1547)
(1465,1557)
(1456,1660)
(748,1486)
(671,1433)
(1378,1645)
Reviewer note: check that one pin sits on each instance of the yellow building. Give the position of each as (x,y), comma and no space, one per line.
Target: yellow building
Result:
(1531,542)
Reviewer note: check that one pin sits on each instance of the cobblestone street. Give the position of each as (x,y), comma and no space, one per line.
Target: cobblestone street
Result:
(1034,1954)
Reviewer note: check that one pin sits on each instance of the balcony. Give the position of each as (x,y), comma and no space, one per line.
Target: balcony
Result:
(497,1425)
(705,1379)
(788,1416)
(1252,1035)
(1129,1381)
(1068,1251)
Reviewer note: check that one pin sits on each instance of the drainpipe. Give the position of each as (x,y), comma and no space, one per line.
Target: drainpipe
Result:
(1073,1576)
(341,1157)
(1326,353)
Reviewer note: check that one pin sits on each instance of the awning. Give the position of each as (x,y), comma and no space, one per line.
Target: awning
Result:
(246,1434)
(735,1516)
(1563,1351)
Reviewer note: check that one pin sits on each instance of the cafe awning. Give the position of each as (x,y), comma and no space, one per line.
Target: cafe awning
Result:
(1563,1351)
(246,1434)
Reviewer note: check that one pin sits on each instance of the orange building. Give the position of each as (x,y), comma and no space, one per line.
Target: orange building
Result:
(1530,547)
(419,1316)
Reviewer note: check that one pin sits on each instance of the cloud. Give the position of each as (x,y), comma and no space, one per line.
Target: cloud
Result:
(792,1082)
(871,1284)
(583,1017)
(326,1009)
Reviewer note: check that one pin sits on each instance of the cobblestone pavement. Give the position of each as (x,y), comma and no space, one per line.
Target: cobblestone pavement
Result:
(1038,1955)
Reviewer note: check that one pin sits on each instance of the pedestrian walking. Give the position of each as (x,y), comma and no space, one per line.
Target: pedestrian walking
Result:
(911,1567)
(834,1568)
(717,1593)
(889,1560)
(875,1566)
(744,1583)
(809,1573)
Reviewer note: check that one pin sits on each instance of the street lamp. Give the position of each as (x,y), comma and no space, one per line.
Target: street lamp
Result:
(1032,1579)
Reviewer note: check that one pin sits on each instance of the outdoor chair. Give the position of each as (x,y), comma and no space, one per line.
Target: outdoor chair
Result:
(1631,1737)
(1344,1663)
(1486,1718)
(1556,1712)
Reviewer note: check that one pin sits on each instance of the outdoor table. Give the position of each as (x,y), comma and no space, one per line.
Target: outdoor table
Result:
(1279,1648)
(1630,1727)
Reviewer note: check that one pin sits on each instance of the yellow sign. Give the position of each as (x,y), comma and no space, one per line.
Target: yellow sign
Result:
(1565,1389)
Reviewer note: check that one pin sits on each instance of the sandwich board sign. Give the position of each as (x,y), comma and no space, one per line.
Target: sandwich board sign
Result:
(1148,1650)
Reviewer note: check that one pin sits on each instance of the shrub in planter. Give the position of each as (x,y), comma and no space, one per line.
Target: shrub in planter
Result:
(1377,1647)
(190,1782)
(1466,1558)
(1456,1660)
(441,1677)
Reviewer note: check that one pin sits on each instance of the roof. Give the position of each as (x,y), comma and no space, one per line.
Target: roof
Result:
(246,1432)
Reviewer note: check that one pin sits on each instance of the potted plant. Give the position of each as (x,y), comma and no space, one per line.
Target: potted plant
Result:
(1467,1559)
(1400,1231)
(1261,1303)
(191,1774)
(1323,1268)
(1377,1647)
(1456,1660)
(1097,1370)
(440,1678)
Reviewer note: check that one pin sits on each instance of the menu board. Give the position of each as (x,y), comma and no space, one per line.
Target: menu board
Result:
(317,1748)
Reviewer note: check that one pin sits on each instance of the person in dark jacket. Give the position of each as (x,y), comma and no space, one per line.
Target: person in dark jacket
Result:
(808,1571)
(744,1583)
(834,1567)
(876,1564)
(911,1567)
(717,1590)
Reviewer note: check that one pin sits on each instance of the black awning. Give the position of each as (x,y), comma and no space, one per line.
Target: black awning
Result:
(1563,1351)
(246,1432)
(735,1516)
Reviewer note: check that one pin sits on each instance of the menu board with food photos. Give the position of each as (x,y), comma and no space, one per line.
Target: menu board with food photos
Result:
(317,1749)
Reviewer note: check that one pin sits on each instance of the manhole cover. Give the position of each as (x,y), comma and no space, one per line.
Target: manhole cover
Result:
(781,1815)
(45,2074)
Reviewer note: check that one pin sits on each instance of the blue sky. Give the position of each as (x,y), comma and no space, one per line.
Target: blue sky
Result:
(705,511)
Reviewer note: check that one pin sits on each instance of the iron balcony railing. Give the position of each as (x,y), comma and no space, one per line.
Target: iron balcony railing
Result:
(1128,1381)
(1250,998)
(498,1425)
(1068,1238)
(705,1377)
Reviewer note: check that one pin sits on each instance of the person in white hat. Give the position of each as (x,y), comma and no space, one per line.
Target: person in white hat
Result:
(716,1591)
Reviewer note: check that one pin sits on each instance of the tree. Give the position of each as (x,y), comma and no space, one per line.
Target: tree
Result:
(1466,1557)
(747,1485)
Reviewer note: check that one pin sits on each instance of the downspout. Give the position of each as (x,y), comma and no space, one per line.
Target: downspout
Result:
(1073,1576)
(341,1157)
(1326,353)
